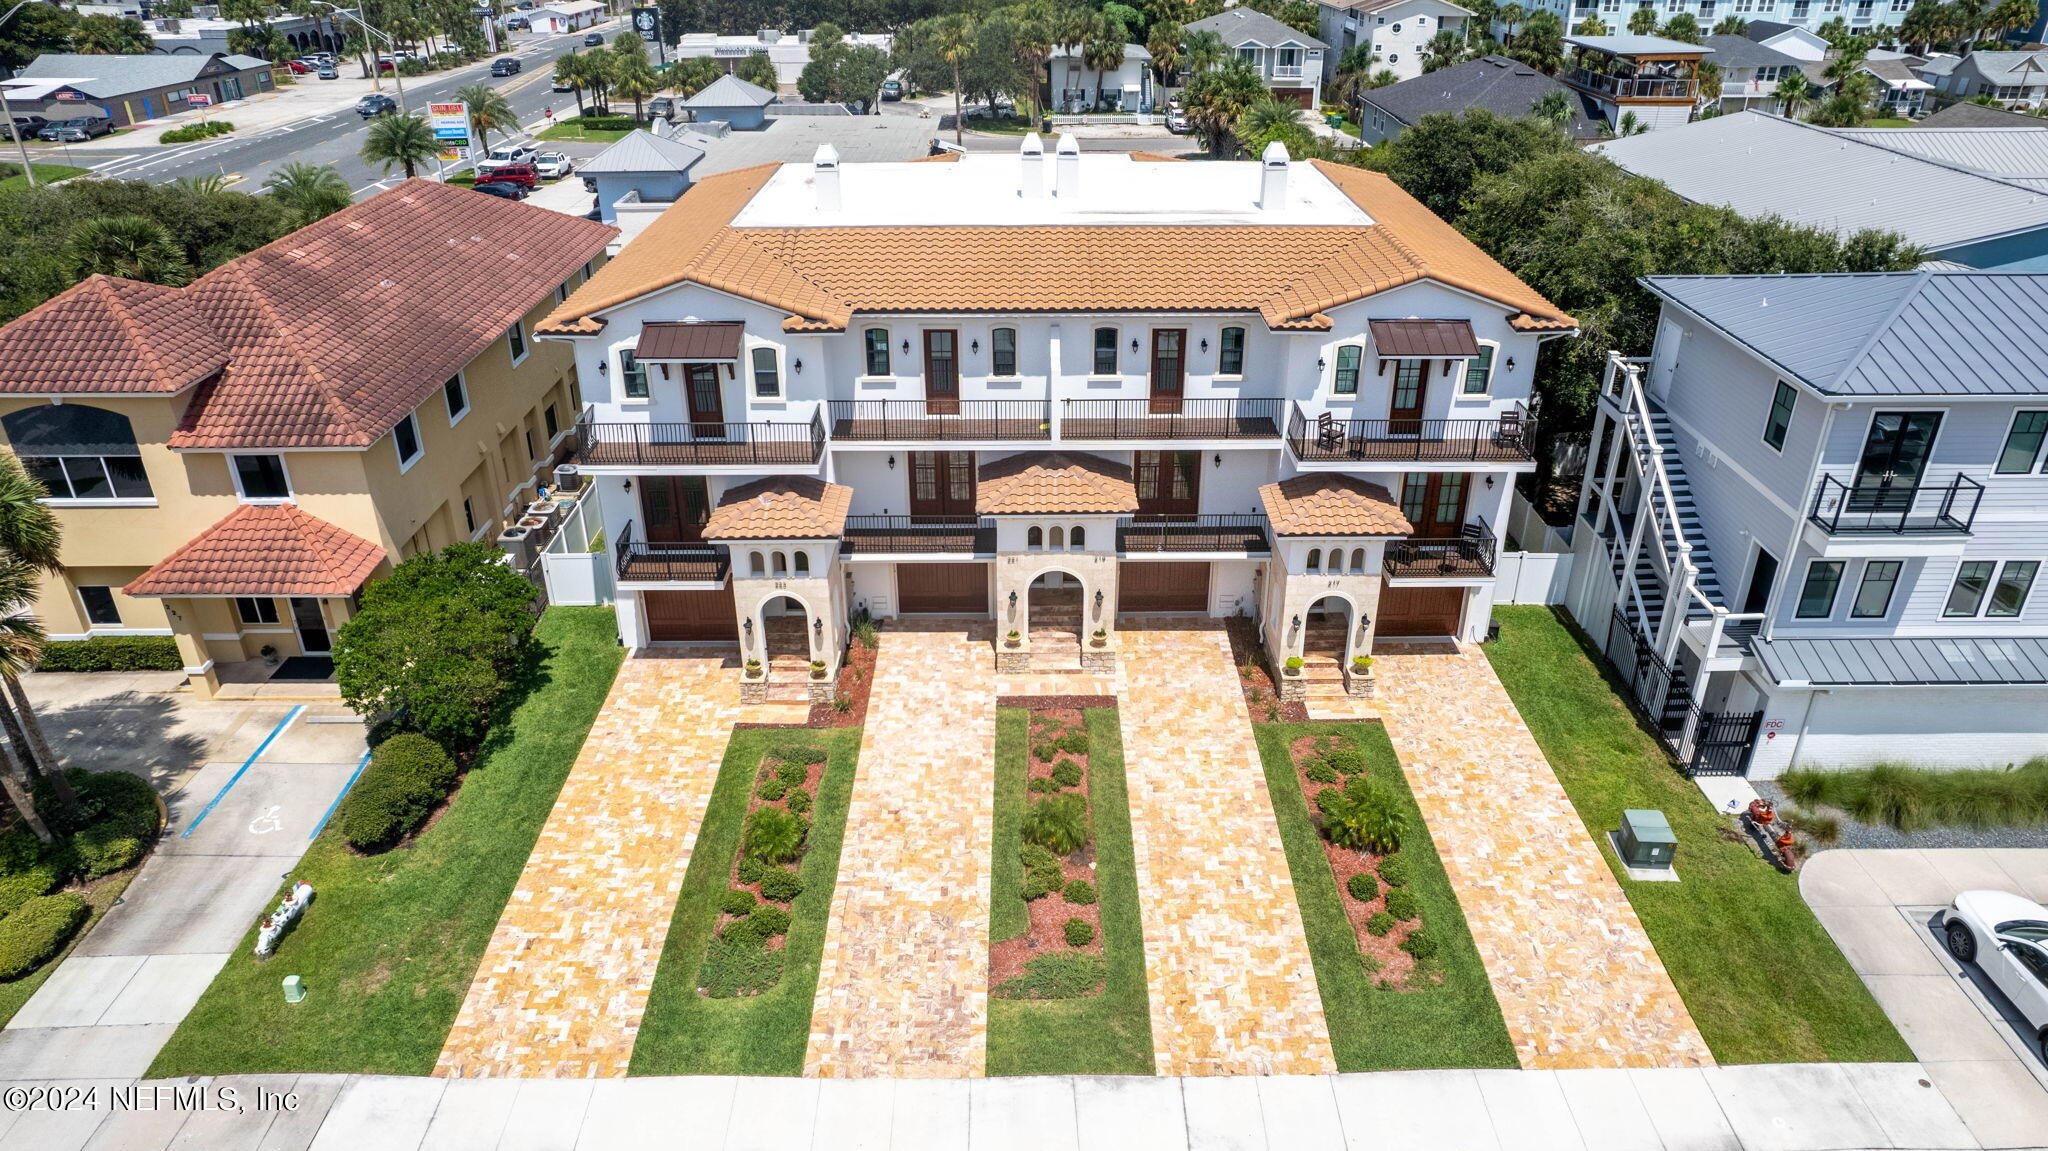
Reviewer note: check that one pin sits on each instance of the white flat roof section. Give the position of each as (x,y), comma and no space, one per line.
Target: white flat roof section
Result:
(985,190)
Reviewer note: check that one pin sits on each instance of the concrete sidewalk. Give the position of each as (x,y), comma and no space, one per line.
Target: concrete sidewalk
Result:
(1789,1107)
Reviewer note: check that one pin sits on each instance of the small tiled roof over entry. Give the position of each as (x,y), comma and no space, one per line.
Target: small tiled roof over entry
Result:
(1332,505)
(264,550)
(781,508)
(1055,483)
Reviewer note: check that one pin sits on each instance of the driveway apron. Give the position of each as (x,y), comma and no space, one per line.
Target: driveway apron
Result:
(1576,977)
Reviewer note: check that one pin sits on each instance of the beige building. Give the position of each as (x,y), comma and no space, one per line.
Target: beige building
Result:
(231,460)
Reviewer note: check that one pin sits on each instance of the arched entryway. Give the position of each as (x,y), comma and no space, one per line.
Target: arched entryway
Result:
(785,638)
(1058,615)
(1326,628)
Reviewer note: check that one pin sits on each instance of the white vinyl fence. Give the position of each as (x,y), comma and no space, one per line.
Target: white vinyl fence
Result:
(576,575)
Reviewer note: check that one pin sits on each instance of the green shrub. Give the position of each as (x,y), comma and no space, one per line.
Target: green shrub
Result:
(1079,932)
(1363,887)
(103,849)
(781,886)
(201,131)
(799,800)
(1345,760)
(1911,799)
(1380,923)
(1078,891)
(751,871)
(736,902)
(36,931)
(736,967)
(1042,785)
(1042,874)
(603,123)
(1421,944)
(19,847)
(409,775)
(1058,823)
(1365,816)
(773,835)
(771,920)
(1044,752)
(18,887)
(744,930)
(772,788)
(1403,904)
(1067,774)
(792,773)
(112,653)
(116,800)
(1073,742)
(864,631)
(1320,772)
(1060,975)
(1393,870)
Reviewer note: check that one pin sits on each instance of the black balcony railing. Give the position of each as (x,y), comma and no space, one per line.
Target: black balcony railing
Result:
(897,535)
(941,421)
(1900,509)
(699,443)
(1201,419)
(1328,439)
(1155,534)
(1633,87)
(1465,556)
(667,562)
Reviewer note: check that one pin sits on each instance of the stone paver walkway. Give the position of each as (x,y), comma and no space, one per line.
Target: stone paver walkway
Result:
(1576,977)
(563,984)
(1233,991)
(903,985)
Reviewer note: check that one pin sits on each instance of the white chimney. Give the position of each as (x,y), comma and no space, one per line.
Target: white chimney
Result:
(1273,177)
(1031,157)
(825,174)
(1067,168)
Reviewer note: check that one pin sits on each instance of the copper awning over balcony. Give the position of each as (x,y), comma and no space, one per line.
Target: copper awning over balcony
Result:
(1424,339)
(705,340)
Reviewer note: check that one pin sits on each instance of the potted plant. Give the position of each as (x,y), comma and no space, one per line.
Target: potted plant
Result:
(817,669)
(1292,668)
(1013,639)
(269,654)
(753,669)
(1360,664)
(1100,638)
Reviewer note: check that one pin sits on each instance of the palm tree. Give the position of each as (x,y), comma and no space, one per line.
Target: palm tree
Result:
(570,69)
(1554,108)
(1792,93)
(1642,21)
(29,539)
(1205,50)
(1164,44)
(1267,118)
(951,38)
(1592,25)
(400,142)
(1034,46)
(131,246)
(1443,50)
(1509,15)
(311,191)
(1707,83)
(633,78)
(1104,52)
(1731,26)
(489,111)
(1215,99)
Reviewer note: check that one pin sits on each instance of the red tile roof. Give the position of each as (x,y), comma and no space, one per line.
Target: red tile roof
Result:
(264,550)
(1323,504)
(324,338)
(781,508)
(1054,483)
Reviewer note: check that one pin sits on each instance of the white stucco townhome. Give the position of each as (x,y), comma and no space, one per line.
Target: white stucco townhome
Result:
(1396,29)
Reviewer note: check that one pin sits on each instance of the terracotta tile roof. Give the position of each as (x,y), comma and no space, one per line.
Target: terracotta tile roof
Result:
(781,508)
(1332,505)
(324,338)
(1054,483)
(823,276)
(264,549)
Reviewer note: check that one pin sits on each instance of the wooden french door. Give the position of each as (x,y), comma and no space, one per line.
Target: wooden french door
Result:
(941,372)
(942,483)
(1169,483)
(1895,455)
(707,405)
(1169,368)
(1411,388)
(674,508)
(1435,503)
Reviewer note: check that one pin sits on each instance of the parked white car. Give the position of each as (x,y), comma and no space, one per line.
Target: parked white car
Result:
(553,165)
(2006,935)
(505,154)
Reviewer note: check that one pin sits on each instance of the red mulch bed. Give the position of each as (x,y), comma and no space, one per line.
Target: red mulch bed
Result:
(856,679)
(1255,675)
(769,764)
(1395,966)
(1049,914)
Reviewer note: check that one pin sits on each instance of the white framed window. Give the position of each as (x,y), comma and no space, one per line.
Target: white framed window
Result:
(767,374)
(99,606)
(1105,360)
(1002,345)
(755,564)
(1315,560)
(1479,371)
(455,393)
(1230,352)
(876,347)
(468,516)
(802,563)
(256,609)
(515,340)
(405,438)
(632,376)
(1034,539)
(261,479)
(90,478)
(2024,437)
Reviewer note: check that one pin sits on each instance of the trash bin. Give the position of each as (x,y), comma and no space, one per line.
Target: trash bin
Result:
(1645,839)
(1045,125)
(1334,119)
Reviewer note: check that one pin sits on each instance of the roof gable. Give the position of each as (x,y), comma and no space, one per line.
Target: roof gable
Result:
(730,91)
(1248,27)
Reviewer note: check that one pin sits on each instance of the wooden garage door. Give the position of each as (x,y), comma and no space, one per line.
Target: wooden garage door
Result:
(690,615)
(1158,586)
(1420,611)
(943,589)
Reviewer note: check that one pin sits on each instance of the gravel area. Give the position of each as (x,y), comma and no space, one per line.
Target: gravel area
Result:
(1860,835)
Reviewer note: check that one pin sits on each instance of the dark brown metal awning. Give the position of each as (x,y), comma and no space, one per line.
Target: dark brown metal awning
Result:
(1422,339)
(714,340)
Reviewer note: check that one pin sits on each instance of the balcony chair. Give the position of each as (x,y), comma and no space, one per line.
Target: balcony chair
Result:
(1329,436)
(1509,432)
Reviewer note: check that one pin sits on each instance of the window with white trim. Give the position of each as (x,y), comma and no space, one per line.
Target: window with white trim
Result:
(405,437)
(1817,594)
(515,339)
(455,394)
(877,350)
(261,478)
(78,452)
(1105,363)
(2023,441)
(255,609)
(1002,344)
(1230,352)
(1990,589)
(1344,381)
(632,376)
(1479,371)
(767,375)
(99,606)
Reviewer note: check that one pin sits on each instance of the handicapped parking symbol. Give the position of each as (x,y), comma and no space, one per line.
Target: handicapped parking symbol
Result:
(267,822)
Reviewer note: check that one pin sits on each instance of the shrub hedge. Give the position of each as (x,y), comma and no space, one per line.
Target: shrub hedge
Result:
(202,131)
(409,775)
(37,930)
(736,902)
(1363,887)
(1393,870)
(112,653)
(1403,903)
(781,886)
(603,123)
(1079,932)
(116,821)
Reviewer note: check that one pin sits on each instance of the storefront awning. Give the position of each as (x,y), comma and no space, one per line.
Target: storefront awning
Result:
(1424,339)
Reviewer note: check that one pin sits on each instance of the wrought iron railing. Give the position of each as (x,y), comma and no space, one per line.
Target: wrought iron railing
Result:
(1633,87)
(1449,558)
(1246,534)
(895,535)
(941,420)
(699,443)
(1328,439)
(668,562)
(1899,509)
(1199,419)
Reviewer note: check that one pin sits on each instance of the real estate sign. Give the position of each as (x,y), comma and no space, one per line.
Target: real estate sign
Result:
(450,123)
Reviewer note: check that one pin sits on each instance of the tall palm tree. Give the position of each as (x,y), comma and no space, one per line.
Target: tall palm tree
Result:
(1033,41)
(29,539)
(1104,52)
(951,38)
(1731,26)
(1592,25)
(1443,50)
(633,78)
(570,69)
(489,111)
(1509,15)
(311,191)
(131,246)
(1205,50)
(400,142)
(1642,21)
(1163,41)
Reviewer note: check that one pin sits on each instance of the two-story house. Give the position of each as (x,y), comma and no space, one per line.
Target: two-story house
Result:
(231,460)
(1395,29)
(1288,61)
(1048,391)
(1812,524)
(2014,79)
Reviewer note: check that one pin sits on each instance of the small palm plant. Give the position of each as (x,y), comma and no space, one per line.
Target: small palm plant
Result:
(1363,815)
(1058,823)
(311,191)
(774,836)
(135,247)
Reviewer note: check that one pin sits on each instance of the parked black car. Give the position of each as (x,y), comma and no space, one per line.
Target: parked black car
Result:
(28,126)
(502,189)
(376,104)
(505,66)
(76,129)
(593,39)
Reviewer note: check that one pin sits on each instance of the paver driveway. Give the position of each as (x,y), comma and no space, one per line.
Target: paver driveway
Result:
(1233,991)
(1576,977)
(903,984)
(564,982)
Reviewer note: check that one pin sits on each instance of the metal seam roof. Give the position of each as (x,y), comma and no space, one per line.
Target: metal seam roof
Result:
(1906,661)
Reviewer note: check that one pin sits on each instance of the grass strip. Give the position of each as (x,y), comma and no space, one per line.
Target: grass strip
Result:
(46,173)
(684,1033)
(1454,1024)
(1761,977)
(1106,1034)
(1907,798)
(392,941)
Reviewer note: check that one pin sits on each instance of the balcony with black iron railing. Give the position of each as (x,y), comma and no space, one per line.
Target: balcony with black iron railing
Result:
(1632,87)
(1245,534)
(657,562)
(1465,557)
(940,421)
(1509,439)
(1878,508)
(639,444)
(1155,419)
(918,535)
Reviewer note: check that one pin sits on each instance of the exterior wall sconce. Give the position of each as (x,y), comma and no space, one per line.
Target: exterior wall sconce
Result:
(974,345)
(818,626)
(1489,483)
(629,483)
(1205,343)
(906,347)
(797,366)
(1098,603)
(892,463)
(1319,363)
(1511,363)
(1134,345)
(1219,459)
(747,626)
(604,367)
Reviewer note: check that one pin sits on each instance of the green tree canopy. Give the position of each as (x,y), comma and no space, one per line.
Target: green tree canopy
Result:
(311,191)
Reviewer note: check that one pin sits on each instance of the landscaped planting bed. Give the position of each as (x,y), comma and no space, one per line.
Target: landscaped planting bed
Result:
(739,970)
(1255,675)
(1066,959)
(849,706)
(1401,981)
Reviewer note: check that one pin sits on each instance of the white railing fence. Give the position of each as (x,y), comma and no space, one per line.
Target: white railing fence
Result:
(575,574)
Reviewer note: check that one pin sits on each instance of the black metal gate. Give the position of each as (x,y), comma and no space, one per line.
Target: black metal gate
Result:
(1722,742)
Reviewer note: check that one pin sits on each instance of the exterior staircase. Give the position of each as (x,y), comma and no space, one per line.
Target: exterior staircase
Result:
(1324,678)
(1056,625)
(789,661)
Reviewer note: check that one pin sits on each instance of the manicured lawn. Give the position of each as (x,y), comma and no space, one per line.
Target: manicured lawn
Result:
(1453,1024)
(1105,1034)
(99,898)
(45,173)
(684,1033)
(573,129)
(392,941)
(1759,974)
(1889,122)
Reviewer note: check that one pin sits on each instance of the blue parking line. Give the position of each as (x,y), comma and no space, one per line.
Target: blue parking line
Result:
(340,795)
(237,777)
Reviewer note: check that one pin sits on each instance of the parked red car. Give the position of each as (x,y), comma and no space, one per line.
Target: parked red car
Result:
(524,175)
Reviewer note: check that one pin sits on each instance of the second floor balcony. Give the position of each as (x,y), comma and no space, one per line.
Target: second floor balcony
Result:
(941,420)
(1632,87)
(654,562)
(1325,438)
(1464,557)
(918,535)
(1174,419)
(1144,534)
(1871,505)
(791,442)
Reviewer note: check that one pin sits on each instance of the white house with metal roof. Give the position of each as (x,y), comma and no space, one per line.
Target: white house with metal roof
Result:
(1812,527)
(1395,29)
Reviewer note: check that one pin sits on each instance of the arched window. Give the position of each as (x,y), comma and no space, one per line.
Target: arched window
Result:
(1315,560)
(781,564)
(1034,539)
(803,563)
(755,564)
(1076,538)
(1057,540)
(78,452)
(1357,561)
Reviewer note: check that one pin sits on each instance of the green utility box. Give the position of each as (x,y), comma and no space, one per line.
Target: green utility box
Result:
(294,989)
(1645,839)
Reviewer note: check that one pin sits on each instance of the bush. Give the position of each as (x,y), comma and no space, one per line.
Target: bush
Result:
(1060,975)
(1044,752)
(1073,742)
(103,849)
(1380,923)
(792,773)
(191,132)
(1365,816)
(1042,874)
(771,920)
(1041,785)
(781,886)
(842,703)
(805,755)
(1345,760)
(1320,772)
(1393,870)
(799,800)
(1421,944)
(1067,774)
(18,887)
(603,123)
(407,778)
(746,929)
(751,871)
(736,967)
(774,836)
(112,653)
(1079,891)
(1909,799)
(1079,932)
(36,931)
(864,631)
(113,799)
(772,788)
(1402,904)
(736,902)
(1058,823)
(1363,887)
